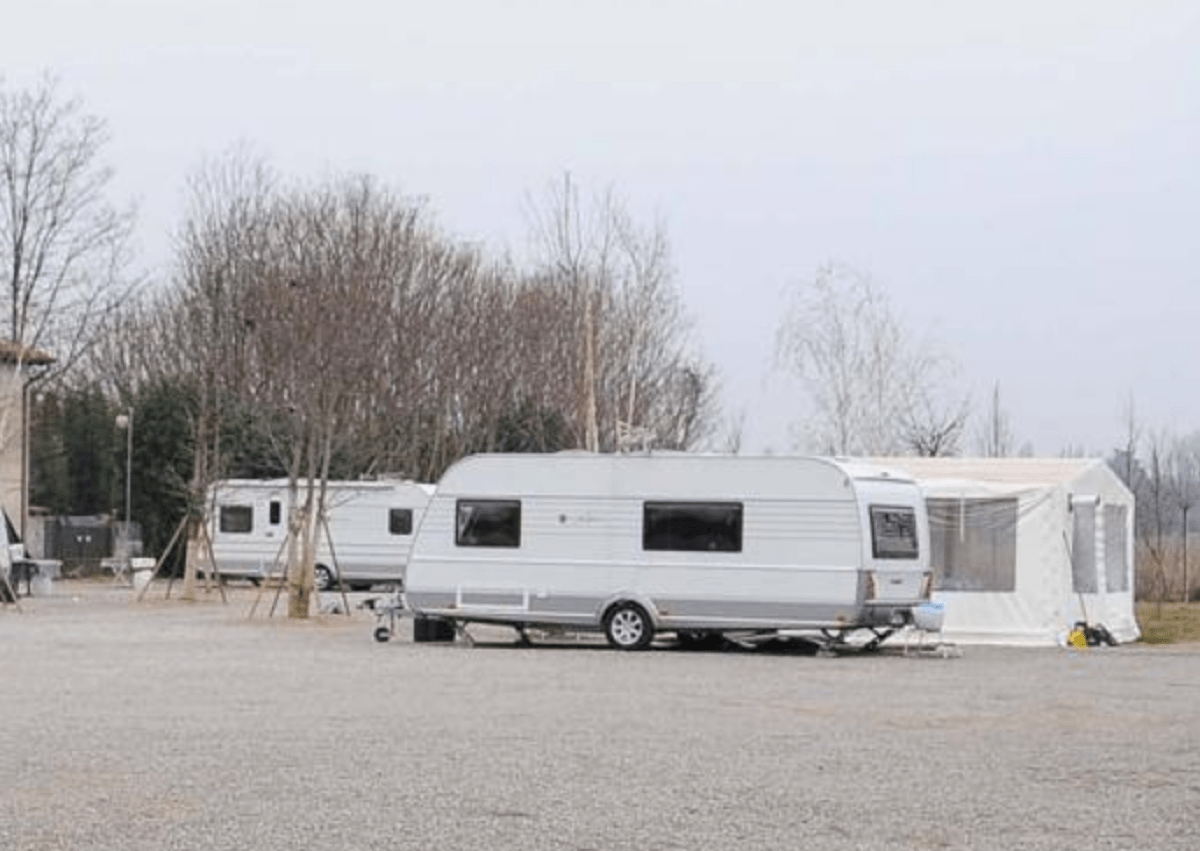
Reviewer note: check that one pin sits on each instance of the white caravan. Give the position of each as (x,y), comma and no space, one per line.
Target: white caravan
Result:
(691,544)
(371,526)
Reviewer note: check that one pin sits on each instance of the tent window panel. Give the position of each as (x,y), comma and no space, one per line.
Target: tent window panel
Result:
(1083,550)
(973,543)
(1116,542)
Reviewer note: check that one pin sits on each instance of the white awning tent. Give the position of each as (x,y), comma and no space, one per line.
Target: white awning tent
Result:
(1024,548)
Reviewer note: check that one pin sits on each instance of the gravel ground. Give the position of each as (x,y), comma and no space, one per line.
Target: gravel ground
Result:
(171,725)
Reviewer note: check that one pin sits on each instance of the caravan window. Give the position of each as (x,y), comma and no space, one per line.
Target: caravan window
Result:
(894,532)
(488,523)
(237,519)
(400,521)
(692,526)
(276,512)
(973,544)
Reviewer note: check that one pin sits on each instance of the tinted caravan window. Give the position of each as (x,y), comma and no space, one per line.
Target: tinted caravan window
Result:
(237,518)
(692,526)
(894,532)
(400,521)
(488,523)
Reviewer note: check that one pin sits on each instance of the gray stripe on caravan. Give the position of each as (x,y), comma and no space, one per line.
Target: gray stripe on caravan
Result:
(671,612)
(754,610)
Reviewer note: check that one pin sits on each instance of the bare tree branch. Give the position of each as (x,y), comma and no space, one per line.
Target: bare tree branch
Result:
(64,247)
(874,391)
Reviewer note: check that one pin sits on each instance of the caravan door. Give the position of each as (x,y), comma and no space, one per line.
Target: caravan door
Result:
(896,543)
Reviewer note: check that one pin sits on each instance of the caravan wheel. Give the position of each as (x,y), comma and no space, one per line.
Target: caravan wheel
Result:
(322,578)
(628,627)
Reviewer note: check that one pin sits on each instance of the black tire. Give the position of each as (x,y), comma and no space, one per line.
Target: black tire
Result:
(628,627)
(382,633)
(323,579)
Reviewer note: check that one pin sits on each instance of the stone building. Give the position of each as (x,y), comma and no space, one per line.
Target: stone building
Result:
(17,362)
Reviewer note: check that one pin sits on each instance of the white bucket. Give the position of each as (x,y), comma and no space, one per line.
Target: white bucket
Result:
(141,578)
(41,586)
(929,616)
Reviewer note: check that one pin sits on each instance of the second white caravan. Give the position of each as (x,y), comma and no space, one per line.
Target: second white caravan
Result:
(369,529)
(692,544)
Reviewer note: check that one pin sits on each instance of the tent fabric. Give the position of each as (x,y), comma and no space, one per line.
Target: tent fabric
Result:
(1024,548)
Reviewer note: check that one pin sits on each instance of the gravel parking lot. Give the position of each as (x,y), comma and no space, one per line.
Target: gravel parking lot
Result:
(171,725)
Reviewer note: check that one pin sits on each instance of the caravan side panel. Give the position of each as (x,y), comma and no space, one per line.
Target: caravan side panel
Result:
(798,564)
(802,557)
(371,527)
(367,537)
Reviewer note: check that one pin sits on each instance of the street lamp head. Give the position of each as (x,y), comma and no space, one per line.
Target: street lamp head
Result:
(122,420)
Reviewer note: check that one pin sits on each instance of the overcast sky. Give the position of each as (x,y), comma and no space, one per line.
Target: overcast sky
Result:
(1021,177)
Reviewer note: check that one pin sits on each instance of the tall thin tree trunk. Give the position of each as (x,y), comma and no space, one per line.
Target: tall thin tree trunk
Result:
(589,376)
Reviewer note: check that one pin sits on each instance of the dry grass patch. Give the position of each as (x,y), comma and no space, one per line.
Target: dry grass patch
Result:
(1169,623)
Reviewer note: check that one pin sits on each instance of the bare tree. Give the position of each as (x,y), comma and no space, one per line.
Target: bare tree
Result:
(575,247)
(933,421)
(64,247)
(320,318)
(1133,436)
(933,430)
(1124,459)
(201,326)
(1183,463)
(359,340)
(994,437)
(732,432)
(874,390)
(1154,509)
(625,338)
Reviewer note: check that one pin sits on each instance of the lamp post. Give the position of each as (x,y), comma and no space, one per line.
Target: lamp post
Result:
(125,421)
